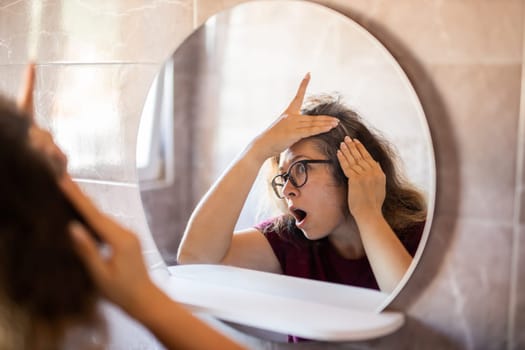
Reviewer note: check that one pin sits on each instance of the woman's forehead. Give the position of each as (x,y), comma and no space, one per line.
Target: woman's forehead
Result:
(303,149)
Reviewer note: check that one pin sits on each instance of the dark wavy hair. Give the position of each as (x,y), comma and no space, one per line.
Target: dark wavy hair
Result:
(44,284)
(404,205)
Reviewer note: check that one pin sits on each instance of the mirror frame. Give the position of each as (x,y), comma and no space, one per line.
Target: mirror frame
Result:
(431,189)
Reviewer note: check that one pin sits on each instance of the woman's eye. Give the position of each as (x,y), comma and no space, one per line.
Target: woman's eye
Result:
(300,168)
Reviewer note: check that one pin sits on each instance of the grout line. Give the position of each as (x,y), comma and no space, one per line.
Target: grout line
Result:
(106,182)
(492,222)
(515,253)
(195,11)
(76,63)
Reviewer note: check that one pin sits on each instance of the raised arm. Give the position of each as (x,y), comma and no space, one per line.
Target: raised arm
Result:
(366,193)
(209,236)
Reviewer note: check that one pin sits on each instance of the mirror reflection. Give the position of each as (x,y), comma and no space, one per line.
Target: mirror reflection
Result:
(302,199)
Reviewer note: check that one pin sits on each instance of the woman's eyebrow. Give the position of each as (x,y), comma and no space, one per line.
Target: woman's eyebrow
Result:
(293,160)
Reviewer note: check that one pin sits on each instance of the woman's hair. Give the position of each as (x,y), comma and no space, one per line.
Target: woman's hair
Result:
(403,205)
(44,286)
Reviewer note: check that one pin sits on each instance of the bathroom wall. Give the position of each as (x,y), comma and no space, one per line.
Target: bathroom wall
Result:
(464,57)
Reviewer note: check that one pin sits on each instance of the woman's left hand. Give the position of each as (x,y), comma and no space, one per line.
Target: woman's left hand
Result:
(388,257)
(366,180)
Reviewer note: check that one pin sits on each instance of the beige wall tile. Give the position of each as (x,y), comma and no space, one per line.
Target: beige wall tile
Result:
(204,9)
(467,31)
(93,31)
(473,117)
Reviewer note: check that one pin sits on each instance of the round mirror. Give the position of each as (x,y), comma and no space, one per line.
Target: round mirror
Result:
(233,77)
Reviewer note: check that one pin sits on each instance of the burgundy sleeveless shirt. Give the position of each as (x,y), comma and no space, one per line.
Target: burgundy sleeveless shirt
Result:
(320,260)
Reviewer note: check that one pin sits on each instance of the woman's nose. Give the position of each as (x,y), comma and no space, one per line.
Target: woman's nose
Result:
(289,190)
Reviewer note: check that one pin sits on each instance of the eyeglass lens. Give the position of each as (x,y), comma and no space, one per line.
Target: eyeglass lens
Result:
(297,176)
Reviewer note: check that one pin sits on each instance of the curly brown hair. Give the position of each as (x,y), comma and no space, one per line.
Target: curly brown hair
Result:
(44,282)
(403,206)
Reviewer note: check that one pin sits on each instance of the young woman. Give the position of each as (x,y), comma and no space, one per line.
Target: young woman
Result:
(51,270)
(348,216)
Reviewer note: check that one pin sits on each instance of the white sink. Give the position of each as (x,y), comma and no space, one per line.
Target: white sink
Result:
(305,308)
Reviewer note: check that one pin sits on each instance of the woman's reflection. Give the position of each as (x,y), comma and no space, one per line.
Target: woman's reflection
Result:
(348,215)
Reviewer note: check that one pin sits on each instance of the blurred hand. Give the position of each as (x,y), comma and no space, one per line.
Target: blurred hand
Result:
(292,126)
(366,180)
(118,270)
(40,139)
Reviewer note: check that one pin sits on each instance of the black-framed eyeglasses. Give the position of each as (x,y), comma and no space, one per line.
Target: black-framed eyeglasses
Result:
(297,174)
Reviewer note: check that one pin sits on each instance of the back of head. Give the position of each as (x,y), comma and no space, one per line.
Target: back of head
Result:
(45,286)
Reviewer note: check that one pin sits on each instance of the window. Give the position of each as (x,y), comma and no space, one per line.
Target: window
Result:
(155,154)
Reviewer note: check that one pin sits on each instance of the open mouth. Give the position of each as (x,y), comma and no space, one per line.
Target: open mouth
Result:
(299,215)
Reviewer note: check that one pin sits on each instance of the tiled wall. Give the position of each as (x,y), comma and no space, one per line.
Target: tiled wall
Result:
(464,58)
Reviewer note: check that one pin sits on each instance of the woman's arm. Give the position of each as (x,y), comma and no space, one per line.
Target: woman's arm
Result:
(366,193)
(123,279)
(209,234)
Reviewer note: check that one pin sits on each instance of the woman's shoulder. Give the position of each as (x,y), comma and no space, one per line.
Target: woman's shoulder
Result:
(279,230)
(266,225)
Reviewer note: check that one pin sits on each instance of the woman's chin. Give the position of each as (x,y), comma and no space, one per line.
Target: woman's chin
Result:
(313,236)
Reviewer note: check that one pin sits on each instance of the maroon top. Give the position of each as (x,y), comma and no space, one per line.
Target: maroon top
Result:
(319,260)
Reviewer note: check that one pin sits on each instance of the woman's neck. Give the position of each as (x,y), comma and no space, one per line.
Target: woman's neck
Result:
(347,240)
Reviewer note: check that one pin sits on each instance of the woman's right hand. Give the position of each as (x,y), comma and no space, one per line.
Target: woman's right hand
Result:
(292,126)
